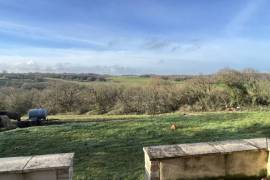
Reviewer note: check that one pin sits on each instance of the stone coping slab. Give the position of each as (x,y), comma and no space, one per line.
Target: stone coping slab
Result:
(195,149)
(36,163)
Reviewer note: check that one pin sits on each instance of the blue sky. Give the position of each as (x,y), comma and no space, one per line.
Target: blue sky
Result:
(127,36)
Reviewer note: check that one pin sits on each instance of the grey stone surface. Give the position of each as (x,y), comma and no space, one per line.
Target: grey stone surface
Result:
(13,164)
(193,167)
(261,143)
(199,148)
(157,152)
(53,161)
(35,163)
(194,149)
(234,146)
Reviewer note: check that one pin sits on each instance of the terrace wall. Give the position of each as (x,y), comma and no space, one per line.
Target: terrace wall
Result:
(237,159)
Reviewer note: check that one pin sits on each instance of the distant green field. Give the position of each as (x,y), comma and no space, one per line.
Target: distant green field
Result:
(130,79)
(113,150)
(137,80)
(120,80)
(56,80)
(111,80)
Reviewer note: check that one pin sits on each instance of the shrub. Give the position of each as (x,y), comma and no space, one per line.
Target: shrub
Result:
(105,98)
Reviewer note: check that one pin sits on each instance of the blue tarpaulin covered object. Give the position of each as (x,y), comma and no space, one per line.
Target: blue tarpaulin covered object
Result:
(38,113)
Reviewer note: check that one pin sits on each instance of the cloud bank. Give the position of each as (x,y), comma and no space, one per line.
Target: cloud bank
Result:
(115,38)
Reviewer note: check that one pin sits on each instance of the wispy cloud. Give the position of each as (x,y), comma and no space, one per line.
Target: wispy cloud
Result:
(170,46)
(38,33)
(240,20)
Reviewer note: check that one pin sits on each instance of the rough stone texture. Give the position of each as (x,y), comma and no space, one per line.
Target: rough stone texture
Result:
(11,176)
(63,174)
(192,167)
(13,164)
(248,163)
(152,171)
(234,146)
(198,149)
(234,158)
(54,161)
(41,175)
(157,152)
(260,143)
(44,167)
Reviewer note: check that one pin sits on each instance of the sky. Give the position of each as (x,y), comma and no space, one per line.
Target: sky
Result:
(134,37)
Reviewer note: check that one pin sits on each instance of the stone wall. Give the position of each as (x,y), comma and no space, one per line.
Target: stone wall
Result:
(237,159)
(44,167)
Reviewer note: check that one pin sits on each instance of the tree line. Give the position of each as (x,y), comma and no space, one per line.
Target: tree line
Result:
(247,89)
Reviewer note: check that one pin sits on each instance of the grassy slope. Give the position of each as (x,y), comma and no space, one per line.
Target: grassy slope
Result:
(113,150)
(129,80)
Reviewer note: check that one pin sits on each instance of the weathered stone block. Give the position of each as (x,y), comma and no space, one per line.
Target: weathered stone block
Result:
(247,163)
(44,167)
(235,159)
(193,167)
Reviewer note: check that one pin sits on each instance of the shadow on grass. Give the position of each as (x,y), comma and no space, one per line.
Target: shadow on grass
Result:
(254,130)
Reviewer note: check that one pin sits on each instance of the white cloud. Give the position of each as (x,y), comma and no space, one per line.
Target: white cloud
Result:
(212,55)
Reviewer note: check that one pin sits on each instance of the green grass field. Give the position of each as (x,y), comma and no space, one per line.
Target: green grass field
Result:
(96,118)
(130,80)
(136,80)
(113,150)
